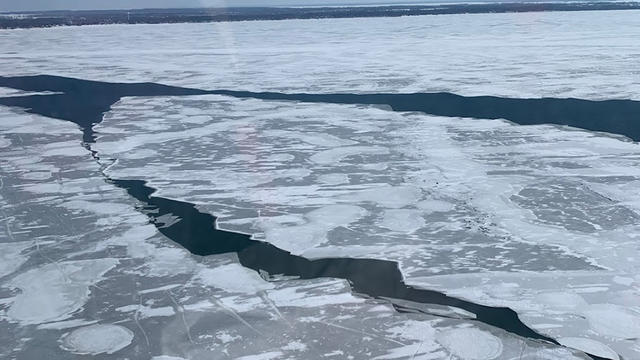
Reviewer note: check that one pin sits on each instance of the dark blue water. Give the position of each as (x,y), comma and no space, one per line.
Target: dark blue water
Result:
(83,102)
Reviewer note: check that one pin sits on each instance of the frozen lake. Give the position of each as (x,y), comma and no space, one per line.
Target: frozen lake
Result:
(541,219)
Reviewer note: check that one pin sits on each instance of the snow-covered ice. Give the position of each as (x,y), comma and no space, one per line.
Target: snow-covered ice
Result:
(591,346)
(533,54)
(243,280)
(542,219)
(93,277)
(471,343)
(454,196)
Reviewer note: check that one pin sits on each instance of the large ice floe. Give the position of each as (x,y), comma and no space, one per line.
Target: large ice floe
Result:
(89,276)
(540,219)
(453,200)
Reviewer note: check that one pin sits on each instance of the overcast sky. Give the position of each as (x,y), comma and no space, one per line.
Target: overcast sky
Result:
(27,5)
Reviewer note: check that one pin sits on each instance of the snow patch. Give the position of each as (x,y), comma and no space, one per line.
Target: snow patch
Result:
(295,346)
(561,300)
(67,324)
(300,297)
(471,343)
(10,256)
(336,155)
(434,206)
(333,179)
(264,356)
(313,138)
(299,238)
(402,220)
(4,142)
(387,196)
(613,320)
(148,312)
(233,278)
(589,346)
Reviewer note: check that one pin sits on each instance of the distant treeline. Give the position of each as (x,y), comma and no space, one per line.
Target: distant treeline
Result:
(158,16)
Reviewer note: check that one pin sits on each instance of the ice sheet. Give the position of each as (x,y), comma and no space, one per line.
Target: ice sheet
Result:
(446,195)
(512,54)
(96,278)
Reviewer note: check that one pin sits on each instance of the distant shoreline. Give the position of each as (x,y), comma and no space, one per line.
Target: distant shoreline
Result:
(43,19)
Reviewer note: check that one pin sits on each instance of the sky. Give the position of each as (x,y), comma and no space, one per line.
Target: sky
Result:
(30,5)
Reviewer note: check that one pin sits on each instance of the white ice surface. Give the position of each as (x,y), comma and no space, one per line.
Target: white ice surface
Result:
(299,238)
(264,356)
(402,220)
(587,308)
(304,296)
(11,256)
(8,92)
(330,157)
(146,311)
(471,343)
(4,142)
(388,196)
(614,320)
(243,280)
(66,324)
(590,346)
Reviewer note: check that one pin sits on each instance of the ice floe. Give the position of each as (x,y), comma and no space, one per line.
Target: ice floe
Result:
(53,292)
(97,339)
